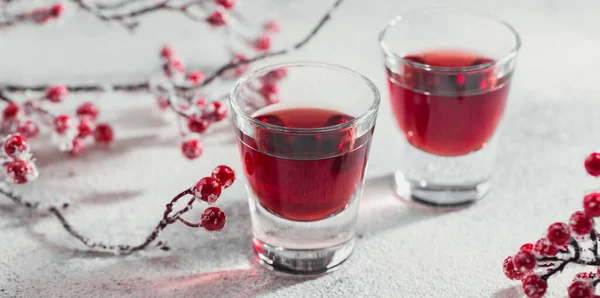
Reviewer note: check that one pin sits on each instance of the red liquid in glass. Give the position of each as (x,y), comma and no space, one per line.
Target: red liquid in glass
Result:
(448,113)
(304,177)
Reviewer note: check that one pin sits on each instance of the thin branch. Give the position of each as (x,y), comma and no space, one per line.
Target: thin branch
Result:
(144,86)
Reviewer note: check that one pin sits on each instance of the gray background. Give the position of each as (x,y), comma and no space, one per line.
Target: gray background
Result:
(119,195)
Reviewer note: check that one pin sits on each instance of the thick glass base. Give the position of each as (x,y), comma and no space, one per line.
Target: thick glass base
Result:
(440,195)
(302,261)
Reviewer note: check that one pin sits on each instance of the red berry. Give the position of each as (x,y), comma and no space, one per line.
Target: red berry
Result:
(63,123)
(272,26)
(581,289)
(167,52)
(56,94)
(240,70)
(196,77)
(201,101)
(87,109)
(213,219)
(524,261)
(208,189)
(78,146)
(510,271)
(268,89)
(545,248)
(28,129)
(15,146)
(11,111)
(220,111)
(20,171)
(224,174)
(534,286)
(591,204)
(227,4)
(559,234)
(592,164)
(580,223)
(526,247)
(263,43)
(104,134)
(198,124)
(163,103)
(217,19)
(85,128)
(192,149)
(57,10)
(177,65)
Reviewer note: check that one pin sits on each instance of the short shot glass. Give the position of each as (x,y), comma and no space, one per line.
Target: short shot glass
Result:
(304,132)
(449,73)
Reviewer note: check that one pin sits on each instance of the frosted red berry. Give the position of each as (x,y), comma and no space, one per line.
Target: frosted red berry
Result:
(241,69)
(104,134)
(580,223)
(62,123)
(195,77)
(15,146)
(545,248)
(88,109)
(177,65)
(57,10)
(524,261)
(267,89)
(11,111)
(592,164)
(20,171)
(78,146)
(526,247)
(227,4)
(213,219)
(591,204)
(201,101)
(28,128)
(167,52)
(192,148)
(85,128)
(208,189)
(217,19)
(510,271)
(534,286)
(56,94)
(272,26)
(224,174)
(197,124)
(263,43)
(559,234)
(581,289)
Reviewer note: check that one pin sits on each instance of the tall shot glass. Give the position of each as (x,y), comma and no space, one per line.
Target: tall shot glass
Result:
(449,73)
(304,142)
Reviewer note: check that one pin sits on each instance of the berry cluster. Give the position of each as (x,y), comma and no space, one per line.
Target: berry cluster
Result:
(564,243)
(17,160)
(71,133)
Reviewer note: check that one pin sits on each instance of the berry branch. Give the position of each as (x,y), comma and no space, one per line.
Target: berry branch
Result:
(564,244)
(145,86)
(208,190)
(177,89)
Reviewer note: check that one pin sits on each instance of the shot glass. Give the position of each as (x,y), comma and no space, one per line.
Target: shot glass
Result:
(449,73)
(304,132)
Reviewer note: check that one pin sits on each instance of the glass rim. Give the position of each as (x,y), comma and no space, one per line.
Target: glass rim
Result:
(264,70)
(397,19)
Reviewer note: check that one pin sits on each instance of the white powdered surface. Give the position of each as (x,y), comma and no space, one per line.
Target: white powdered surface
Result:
(119,195)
